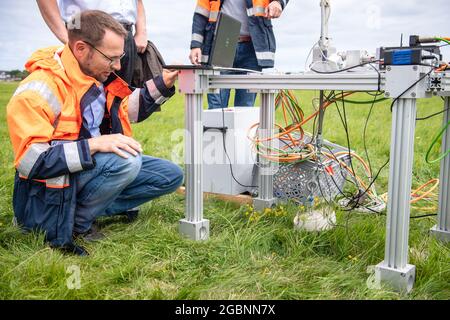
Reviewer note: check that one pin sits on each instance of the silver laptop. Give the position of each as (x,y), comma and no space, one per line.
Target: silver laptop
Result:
(223,50)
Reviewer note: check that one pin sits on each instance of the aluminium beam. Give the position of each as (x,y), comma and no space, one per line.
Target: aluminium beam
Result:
(442,228)
(266,168)
(302,81)
(395,270)
(193,226)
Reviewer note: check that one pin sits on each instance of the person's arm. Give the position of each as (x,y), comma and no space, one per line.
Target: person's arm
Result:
(199,22)
(141,28)
(139,106)
(30,123)
(142,102)
(52,17)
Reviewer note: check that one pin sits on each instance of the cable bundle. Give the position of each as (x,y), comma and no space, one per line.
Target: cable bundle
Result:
(296,148)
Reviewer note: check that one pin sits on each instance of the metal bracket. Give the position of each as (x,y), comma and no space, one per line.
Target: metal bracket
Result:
(261,204)
(194,81)
(198,230)
(401,280)
(399,78)
(440,234)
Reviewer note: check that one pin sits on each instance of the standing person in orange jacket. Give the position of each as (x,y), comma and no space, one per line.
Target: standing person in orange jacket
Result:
(130,13)
(75,157)
(256,47)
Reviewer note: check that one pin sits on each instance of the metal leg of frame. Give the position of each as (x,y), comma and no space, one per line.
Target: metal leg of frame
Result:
(442,229)
(194,226)
(267,168)
(395,270)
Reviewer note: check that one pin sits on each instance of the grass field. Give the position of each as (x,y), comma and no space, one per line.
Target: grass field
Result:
(264,259)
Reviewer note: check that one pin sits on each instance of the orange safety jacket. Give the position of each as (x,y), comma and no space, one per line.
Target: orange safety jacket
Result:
(205,17)
(211,8)
(45,121)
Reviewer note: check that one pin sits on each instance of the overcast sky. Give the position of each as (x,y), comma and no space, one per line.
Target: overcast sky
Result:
(353,25)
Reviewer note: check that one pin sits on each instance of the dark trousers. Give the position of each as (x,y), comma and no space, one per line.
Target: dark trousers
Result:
(245,58)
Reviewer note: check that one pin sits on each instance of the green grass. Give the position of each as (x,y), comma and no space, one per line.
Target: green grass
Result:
(266,259)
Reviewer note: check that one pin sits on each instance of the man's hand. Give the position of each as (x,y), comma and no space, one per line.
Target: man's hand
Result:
(196,56)
(115,143)
(273,10)
(169,77)
(141,42)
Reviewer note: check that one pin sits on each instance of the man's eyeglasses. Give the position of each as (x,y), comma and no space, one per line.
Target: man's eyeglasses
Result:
(111,60)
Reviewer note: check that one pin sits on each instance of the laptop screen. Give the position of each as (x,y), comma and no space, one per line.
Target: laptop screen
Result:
(226,37)
(225,41)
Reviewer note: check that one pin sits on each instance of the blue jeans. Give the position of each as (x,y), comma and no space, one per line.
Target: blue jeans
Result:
(116,184)
(245,58)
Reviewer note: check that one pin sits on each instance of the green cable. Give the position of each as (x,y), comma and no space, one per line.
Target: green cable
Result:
(294,108)
(292,112)
(435,140)
(444,40)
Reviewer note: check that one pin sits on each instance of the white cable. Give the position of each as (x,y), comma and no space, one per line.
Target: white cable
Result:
(309,54)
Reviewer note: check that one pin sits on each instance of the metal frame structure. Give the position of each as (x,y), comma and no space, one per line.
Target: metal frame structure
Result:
(442,229)
(394,270)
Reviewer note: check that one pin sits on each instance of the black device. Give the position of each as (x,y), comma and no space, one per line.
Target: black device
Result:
(414,54)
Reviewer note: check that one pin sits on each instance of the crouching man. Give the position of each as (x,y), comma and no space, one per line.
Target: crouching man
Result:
(75,157)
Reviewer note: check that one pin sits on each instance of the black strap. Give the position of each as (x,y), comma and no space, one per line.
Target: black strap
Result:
(128,27)
(115,120)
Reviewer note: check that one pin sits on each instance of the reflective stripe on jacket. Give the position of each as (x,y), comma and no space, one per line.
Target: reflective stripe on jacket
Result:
(50,141)
(261,31)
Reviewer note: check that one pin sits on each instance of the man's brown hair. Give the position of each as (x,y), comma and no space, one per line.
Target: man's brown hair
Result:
(90,26)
